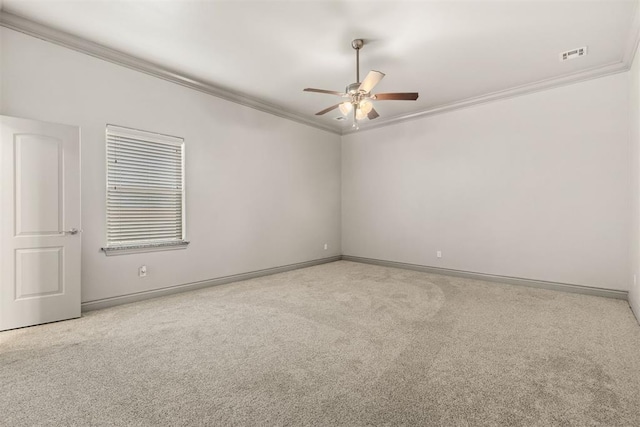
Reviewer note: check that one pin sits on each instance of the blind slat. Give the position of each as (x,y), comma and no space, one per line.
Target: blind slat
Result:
(143,234)
(144,160)
(144,190)
(115,152)
(146,171)
(137,226)
(124,177)
(137,144)
(144,214)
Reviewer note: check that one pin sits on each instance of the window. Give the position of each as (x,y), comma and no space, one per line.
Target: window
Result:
(145,191)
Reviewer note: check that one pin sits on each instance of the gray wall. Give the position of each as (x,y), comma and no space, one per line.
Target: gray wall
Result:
(534,187)
(261,191)
(634,131)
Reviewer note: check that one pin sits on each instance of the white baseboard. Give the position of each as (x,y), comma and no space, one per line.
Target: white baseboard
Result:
(140,296)
(563,287)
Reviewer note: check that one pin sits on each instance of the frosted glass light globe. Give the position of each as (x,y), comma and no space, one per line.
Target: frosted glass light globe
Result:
(345,108)
(366,106)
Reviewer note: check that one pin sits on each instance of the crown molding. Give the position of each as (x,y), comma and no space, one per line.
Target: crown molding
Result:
(99,51)
(539,86)
(630,49)
(96,50)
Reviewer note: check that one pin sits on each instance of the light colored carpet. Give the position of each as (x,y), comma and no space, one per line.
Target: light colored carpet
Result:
(336,344)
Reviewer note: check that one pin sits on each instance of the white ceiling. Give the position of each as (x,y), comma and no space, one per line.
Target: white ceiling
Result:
(448,51)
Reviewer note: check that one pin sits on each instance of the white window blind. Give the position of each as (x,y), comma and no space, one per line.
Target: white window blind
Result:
(145,190)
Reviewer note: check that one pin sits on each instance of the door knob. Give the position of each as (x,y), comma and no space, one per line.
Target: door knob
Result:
(72,231)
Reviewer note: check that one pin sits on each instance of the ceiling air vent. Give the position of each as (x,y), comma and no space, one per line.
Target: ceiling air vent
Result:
(573,54)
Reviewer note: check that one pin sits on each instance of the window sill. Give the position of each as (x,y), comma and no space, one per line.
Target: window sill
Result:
(124,250)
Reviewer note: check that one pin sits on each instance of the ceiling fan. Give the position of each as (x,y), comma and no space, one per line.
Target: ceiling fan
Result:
(359,94)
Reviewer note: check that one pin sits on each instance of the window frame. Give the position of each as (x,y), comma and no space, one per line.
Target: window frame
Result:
(139,246)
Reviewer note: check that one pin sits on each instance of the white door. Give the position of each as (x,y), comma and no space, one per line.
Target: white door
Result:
(39,222)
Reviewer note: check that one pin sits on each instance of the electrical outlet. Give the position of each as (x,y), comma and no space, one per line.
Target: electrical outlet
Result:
(439,254)
(326,246)
(142,271)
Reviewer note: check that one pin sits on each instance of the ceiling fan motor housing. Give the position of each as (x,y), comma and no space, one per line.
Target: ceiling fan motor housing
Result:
(353,89)
(354,93)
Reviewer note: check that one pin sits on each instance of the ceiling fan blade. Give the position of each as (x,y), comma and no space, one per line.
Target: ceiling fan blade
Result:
(330,92)
(400,96)
(373,114)
(369,82)
(326,110)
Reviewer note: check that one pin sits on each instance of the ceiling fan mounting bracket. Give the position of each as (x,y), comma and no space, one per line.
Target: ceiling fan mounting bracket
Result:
(357,44)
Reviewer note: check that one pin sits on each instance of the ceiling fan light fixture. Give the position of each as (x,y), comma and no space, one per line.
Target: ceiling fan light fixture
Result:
(346,107)
(365,106)
(359,93)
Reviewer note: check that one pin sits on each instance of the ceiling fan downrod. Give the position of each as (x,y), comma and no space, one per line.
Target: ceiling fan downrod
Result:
(352,88)
(357,45)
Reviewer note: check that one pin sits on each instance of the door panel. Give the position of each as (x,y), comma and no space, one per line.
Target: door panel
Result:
(39,191)
(40,196)
(39,272)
